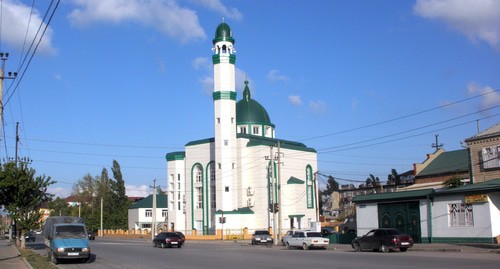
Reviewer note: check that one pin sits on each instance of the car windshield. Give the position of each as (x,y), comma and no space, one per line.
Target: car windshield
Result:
(313,234)
(261,232)
(71,231)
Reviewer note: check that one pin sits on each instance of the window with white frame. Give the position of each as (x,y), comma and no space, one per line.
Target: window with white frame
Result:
(256,130)
(149,213)
(199,195)
(164,213)
(460,215)
(197,175)
(243,130)
(213,199)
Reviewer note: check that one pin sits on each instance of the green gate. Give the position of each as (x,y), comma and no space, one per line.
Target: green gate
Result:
(403,216)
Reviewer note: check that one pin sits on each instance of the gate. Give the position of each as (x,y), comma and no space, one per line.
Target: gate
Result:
(403,216)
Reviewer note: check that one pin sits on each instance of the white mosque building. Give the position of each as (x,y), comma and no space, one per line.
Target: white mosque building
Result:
(228,176)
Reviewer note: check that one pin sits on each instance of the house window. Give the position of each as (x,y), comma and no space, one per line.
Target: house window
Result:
(197,175)
(199,195)
(491,157)
(164,213)
(213,197)
(243,130)
(212,173)
(146,226)
(256,130)
(227,188)
(460,215)
(226,142)
(219,165)
(218,120)
(149,213)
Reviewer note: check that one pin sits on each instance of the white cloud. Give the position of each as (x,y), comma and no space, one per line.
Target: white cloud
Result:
(295,100)
(274,75)
(202,63)
(16,16)
(477,19)
(207,84)
(59,191)
(354,104)
(137,191)
(490,96)
(217,6)
(318,107)
(166,16)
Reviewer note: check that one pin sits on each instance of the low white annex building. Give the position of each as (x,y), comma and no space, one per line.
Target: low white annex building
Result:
(228,176)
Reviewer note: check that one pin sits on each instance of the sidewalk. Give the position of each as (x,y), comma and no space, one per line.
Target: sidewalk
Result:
(10,256)
(439,247)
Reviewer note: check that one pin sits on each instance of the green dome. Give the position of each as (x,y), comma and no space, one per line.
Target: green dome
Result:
(223,33)
(250,111)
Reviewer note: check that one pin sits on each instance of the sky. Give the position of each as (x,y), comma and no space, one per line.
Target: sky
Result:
(368,84)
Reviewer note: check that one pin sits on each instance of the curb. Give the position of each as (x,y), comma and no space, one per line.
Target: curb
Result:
(20,256)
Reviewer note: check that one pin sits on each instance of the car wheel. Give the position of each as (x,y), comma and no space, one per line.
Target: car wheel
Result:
(179,246)
(384,248)
(288,245)
(53,259)
(163,245)
(253,242)
(305,246)
(356,247)
(403,249)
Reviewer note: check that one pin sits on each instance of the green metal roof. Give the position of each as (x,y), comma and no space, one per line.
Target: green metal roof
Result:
(223,33)
(239,211)
(201,141)
(250,111)
(266,141)
(393,196)
(294,180)
(487,186)
(161,202)
(173,156)
(446,163)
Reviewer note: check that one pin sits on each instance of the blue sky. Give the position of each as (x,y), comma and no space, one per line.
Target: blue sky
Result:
(368,84)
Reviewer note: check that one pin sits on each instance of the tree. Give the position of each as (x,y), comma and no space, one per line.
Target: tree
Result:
(59,207)
(394,178)
(453,182)
(331,186)
(22,196)
(372,181)
(120,199)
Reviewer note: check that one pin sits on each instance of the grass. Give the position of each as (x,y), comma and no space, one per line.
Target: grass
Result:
(36,261)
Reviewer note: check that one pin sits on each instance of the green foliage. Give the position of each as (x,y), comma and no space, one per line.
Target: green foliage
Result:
(453,182)
(372,181)
(22,194)
(331,186)
(394,178)
(59,207)
(90,190)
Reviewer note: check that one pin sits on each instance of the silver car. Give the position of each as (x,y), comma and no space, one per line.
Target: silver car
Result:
(262,237)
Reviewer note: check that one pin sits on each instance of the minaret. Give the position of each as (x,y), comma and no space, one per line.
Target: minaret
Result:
(224,96)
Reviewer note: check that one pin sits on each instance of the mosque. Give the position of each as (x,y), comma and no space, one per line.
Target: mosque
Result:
(243,177)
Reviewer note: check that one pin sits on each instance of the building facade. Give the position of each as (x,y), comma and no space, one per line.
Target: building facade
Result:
(244,174)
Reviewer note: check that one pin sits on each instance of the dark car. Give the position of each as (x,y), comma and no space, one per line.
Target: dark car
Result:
(167,239)
(384,240)
(181,235)
(30,236)
(262,237)
(91,235)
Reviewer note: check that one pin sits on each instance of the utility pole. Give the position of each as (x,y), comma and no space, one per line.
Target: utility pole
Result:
(10,75)
(17,140)
(279,205)
(437,145)
(153,224)
(272,200)
(102,203)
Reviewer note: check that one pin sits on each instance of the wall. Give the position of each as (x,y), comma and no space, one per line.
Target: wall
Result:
(366,218)
(479,174)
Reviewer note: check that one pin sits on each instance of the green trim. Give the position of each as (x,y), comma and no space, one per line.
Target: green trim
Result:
(201,141)
(454,240)
(226,95)
(297,216)
(239,211)
(175,156)
(393,196)
(216,58)
(192,191)
(206,206)
(161,202)
(294,180)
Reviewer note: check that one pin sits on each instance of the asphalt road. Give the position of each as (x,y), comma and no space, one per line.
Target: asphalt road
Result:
(126,254)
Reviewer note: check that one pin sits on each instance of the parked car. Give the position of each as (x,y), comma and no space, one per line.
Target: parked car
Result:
(327,231)
(38,232)
(167,239)
(30,236)
(91,235)
(261,237)
(384,239)
(287,237)
(181,235)
(307,240)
